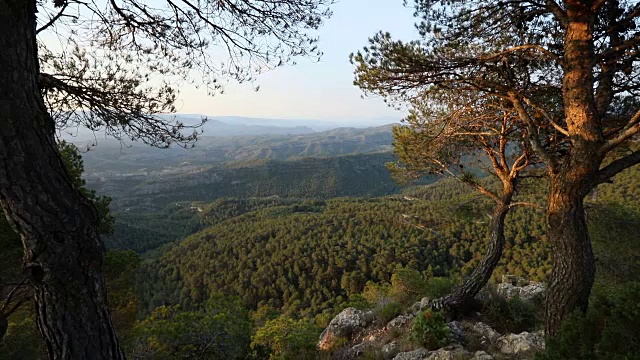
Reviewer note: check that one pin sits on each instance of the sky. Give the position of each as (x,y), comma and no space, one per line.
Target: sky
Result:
(315,90)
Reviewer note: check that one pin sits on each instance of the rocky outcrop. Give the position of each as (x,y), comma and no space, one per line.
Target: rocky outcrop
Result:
(344,324)
(481,355)
(453,352)
(390,350)
(457,332)
(401,321)
(484,332)
(418,354)
(521,343)
(513,286)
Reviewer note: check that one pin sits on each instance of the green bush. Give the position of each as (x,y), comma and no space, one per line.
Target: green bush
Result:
(609,330)
(439,286)
(430,330)
(510,315)
(389,311)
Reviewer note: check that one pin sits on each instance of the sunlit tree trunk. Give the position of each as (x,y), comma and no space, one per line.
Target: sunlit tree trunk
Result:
(573,261)
(63,253)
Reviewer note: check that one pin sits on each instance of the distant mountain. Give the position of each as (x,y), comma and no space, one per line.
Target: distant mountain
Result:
(315,124)
(110,157)
(216,127)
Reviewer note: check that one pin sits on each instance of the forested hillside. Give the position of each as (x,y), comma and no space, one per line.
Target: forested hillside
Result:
(320,178)
(306,257)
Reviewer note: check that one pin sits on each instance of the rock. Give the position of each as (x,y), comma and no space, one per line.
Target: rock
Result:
(485,332)
(420,305)
(532,291)
(453,352)
(390,350)
(508,291)
(400,321)
(481,355)
(518,343)
(526,293)
(457,331)
(344,324)
(356,351)
(419,354)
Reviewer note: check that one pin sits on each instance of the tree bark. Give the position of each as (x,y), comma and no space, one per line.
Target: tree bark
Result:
(4,325)
(63,253)
(572,256)
(472,285)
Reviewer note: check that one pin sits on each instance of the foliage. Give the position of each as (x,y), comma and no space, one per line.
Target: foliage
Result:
(22,340)
(220,329)
(307,257)
(430,330)
(120,269)
(285,338)
(75,166)
(608,331)
(510,315)
(389,311)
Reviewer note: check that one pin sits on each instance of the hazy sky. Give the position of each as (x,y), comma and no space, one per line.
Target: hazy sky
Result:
(315,90)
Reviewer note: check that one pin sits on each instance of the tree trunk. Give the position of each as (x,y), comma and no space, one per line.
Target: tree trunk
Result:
(63,253)
(466,292)
(573,261)
(4,325)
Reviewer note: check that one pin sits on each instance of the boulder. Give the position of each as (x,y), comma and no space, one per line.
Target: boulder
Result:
(420,305)
(453,352)
(526,293)
(532,291)
(419,354)
(508,291)
(519,343)
(457,332)
(485,332)
(400,321)
(481,355)
(344,324)
(390,350)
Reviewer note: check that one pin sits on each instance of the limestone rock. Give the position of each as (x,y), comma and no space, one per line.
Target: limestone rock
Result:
(419,354)
(457,331)
(390,350)
(344,324)
(526,293)
(523,342)
(485,332)
(481,355)
(400,321)
(453,352)
(532,291)
(420,305)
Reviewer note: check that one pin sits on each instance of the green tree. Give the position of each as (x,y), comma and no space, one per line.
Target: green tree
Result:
(220,329)
(569,71)
(285,338)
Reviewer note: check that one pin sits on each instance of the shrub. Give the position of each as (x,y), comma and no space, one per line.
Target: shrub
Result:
(389,311)
(430,330)
(439,286)
(510,315)
(609,330)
